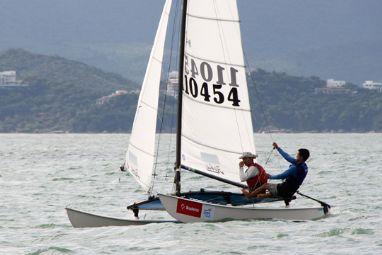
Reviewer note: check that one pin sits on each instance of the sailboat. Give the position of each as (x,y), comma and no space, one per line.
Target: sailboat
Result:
(214,123)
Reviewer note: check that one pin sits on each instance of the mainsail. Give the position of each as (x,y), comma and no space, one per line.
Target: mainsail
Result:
(216,114)
(140,155)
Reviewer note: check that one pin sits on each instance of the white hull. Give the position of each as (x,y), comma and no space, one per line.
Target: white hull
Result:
(187,210)
(80,219)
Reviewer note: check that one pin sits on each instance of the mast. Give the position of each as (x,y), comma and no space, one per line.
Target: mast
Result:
(180,99)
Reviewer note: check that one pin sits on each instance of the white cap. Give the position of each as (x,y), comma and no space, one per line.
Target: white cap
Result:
(248,154)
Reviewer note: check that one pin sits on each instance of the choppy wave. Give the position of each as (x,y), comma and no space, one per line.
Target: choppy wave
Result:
(42,174)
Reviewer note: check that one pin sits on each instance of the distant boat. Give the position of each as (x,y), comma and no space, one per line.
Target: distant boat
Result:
(214,123)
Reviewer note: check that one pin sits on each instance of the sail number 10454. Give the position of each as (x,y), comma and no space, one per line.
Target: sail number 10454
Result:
(207,88)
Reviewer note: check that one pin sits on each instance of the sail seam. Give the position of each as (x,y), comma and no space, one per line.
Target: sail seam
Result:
(211,147)
(141,150)
(214,19)
(218,106)
(148,105)
(158,60)
(214,61)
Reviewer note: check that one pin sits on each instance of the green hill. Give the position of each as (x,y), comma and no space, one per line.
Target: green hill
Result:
(60,91)
(289,102)
(62,96)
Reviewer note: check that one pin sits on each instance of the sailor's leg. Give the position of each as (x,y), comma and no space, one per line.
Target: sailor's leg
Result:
(259,190)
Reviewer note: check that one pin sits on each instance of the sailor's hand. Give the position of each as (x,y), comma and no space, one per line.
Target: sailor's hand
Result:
(241,164)
(275,145)
(245,192)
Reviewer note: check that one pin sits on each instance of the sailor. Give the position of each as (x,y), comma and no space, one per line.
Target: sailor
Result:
(292,177)
(254,175)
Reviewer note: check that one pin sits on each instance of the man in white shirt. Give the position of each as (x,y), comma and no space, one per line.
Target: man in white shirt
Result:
(254,175)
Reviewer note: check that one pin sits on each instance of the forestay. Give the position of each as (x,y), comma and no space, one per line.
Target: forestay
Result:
(216,117)
(141,151)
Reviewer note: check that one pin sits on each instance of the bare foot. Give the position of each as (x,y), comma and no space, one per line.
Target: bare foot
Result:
(263,195)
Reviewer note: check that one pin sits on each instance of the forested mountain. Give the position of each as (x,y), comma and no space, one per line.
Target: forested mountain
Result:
(291,103)
(62,96)
(60,92)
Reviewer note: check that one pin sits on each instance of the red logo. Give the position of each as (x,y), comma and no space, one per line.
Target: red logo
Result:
(189,208)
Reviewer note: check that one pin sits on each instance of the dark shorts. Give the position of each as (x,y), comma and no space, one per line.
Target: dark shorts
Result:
(284,190)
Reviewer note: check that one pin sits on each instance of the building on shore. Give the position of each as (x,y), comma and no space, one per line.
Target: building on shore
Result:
(331,83)
(172,84)
(107,98)
(9,79)
(372,85)
(334,87)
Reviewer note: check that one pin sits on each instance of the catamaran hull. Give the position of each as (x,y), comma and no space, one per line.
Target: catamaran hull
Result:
(80,219)
(188,210)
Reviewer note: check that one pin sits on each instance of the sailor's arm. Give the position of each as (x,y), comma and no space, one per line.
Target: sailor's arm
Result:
(290,171)
(250,173)
(243,177)
(285,155)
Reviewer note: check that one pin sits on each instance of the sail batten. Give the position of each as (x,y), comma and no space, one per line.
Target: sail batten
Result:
(214,61)
(158,60)
(219,106)
(209,18)
(141,150)
(140,154)
(149,105)
(211,146)
(216,113)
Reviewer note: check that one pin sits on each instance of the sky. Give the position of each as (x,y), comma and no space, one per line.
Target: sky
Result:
(342,37)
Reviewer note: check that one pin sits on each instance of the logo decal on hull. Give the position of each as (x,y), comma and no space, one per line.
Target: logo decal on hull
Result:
(208,212)
(189,208)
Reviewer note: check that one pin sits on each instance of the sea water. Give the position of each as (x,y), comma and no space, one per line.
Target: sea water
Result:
(41,174)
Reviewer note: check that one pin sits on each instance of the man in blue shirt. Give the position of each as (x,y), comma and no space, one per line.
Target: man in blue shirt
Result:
(292,177)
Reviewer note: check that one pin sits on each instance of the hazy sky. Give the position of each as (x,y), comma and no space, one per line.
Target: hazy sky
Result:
(272,29)
(136,20)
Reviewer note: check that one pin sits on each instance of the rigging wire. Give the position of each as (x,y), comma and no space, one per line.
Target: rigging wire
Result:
(267,117)
(174,106)
(165,99)
(172,113)
(172,124)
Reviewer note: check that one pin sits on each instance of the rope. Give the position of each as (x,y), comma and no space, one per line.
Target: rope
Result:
(267,117)
(269,156)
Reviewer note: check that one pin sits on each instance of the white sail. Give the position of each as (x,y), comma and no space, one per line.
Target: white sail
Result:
(140,155)
(216,114)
